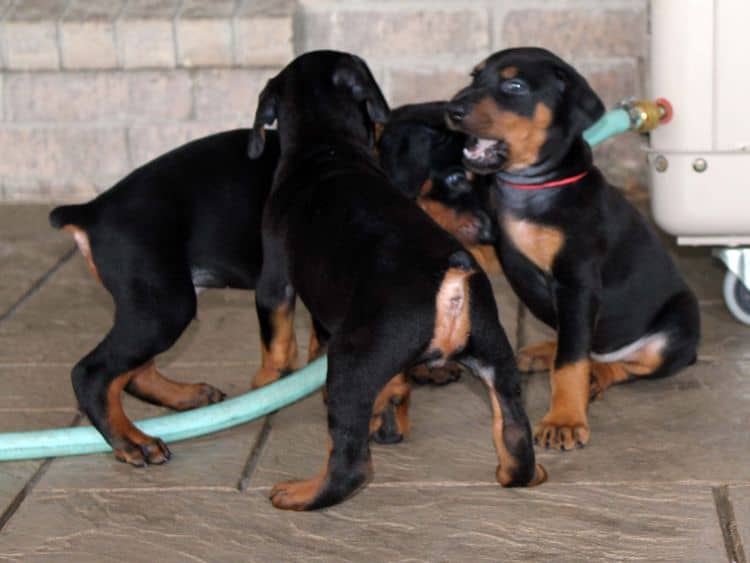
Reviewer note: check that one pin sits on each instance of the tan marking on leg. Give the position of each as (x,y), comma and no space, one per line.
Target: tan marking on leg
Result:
(397,388)
(82,241)
(537,357)
(149,384)
(565,425)
(538,243)
(486,256)
(462,225)
(122,428)
(281,355)
(509,72)
(452,324)
(507,462)
(297,495)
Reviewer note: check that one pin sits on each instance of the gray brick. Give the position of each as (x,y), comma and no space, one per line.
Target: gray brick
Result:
(30,34)
(102,96)
(146,142)
(159,95)
(613,81)
(263,32)
(145,33)
(151,9)
(229,94)
(424,83)
(397,31)
(579,33)
(204,41)
(49,160)
(88,34)
(146,43)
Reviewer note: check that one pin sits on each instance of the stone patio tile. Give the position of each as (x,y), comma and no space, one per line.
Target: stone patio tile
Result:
(15,474)
(28,249)
(722,337)
(72,313)
(676,429)
(740,498)
(650,523)
(689,427)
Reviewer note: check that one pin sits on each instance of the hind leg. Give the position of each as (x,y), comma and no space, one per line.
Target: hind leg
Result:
(490,356)
(353,381)
(148,320)
(149,385)
(670,345)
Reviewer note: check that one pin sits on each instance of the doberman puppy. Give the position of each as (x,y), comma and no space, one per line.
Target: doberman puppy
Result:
(423,158)
(386,286)
(578,255)
(186,220)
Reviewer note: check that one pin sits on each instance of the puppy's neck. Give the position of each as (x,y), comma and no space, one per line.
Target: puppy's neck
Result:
(574,161)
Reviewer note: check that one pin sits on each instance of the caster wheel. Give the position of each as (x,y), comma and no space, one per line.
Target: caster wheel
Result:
(737,298)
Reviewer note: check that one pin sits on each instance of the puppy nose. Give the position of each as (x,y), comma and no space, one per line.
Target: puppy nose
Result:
(456,112)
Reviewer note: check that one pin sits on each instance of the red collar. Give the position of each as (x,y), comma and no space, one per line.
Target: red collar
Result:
(553,184)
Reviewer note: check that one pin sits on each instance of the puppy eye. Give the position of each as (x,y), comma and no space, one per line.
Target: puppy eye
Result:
(514,86)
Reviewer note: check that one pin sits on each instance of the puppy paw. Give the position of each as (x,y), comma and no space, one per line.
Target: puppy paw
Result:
(561,435)
(149,452)
(295,495)
(202,395)
(264,376)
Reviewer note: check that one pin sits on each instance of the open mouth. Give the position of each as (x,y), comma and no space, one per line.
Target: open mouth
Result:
(485,155)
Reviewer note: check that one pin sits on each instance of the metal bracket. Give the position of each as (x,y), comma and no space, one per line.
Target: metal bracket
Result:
(737,261)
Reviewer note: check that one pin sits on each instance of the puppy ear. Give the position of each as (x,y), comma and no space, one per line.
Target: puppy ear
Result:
(585,105)
(265,114)
(355,76)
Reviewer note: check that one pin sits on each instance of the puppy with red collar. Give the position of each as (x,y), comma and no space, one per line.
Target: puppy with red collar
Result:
(386,286)
(578,255)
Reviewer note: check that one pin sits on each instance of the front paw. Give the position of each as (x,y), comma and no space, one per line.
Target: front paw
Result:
(296,495)
(563,433)
(151,451)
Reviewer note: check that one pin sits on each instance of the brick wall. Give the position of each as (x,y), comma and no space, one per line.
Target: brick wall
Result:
(89,89)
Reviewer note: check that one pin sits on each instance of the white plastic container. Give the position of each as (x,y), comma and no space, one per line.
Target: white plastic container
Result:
(700,162)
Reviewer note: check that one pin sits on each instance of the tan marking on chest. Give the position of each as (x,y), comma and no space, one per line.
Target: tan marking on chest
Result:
(538,243)
(452,324)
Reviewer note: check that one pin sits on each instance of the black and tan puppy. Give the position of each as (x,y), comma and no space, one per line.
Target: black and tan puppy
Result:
(187,219)
(578,255)
(423,158)
(386,286)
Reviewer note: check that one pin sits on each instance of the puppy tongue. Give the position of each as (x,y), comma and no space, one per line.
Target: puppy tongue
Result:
(479,148)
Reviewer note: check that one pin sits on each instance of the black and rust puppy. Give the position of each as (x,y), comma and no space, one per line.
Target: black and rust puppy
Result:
(386,286)
(423,159)
(188,219)
(576,252)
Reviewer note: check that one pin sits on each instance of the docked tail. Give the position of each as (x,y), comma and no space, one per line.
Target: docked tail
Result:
(69,215)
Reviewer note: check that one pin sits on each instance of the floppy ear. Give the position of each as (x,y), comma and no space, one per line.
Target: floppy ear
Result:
(265,114)
(585,106)
(355,76)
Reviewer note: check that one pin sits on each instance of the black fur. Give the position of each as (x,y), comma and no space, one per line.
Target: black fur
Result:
(366,262)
